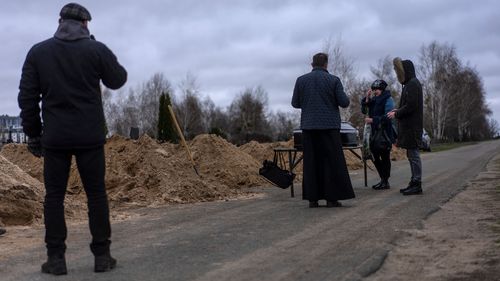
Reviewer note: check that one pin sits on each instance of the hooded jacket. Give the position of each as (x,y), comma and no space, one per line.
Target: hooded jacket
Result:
(410,111)
(64,73)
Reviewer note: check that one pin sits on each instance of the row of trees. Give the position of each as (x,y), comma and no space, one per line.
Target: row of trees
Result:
(454,101)
(455,107)
(246,118)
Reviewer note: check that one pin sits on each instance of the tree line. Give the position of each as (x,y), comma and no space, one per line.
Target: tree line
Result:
(455,107)
(145,107)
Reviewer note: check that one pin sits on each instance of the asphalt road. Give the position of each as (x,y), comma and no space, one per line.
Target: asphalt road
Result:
(270,237)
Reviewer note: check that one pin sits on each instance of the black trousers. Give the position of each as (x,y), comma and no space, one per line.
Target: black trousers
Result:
(325,171)
(382,161)
(91,166)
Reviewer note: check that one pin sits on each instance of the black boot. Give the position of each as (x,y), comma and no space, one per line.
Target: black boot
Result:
(55,265)
(376,186)
(332,204)
(415,189)
(384,184)
(313,204)
(410,185)
(104,263)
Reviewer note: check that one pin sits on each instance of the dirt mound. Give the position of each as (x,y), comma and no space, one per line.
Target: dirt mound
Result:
(398,153)
(263,151)
(20,195)
(146,173)
(222,162)
(19,154)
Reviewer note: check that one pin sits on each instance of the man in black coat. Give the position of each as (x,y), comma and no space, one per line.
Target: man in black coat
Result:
(319,95)
(64,73)
(410,121)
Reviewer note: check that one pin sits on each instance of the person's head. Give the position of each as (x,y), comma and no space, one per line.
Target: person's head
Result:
(378,86)
(74,11)
(320,60)
(405,70)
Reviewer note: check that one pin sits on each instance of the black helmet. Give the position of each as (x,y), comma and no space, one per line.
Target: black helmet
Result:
(379,84)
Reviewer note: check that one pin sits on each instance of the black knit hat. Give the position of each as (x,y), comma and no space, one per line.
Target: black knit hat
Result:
(75,11)
(379,84)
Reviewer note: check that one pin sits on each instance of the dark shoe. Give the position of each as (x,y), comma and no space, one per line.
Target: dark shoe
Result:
(384,184)
(413,191)
(104,263)
(313,204)
(55,265)
(332,204)
(376,186)
(2,231)
(410,185)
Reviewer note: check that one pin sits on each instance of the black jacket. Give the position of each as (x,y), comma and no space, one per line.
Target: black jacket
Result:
(64,73)
(377,109)
(410,111)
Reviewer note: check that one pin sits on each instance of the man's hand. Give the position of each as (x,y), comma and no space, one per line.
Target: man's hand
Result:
(391,114)
(35,146)
(368,120)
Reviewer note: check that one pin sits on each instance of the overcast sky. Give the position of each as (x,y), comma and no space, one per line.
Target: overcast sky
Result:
(230,45)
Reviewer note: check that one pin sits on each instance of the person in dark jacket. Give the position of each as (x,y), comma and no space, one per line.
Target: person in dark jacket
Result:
(410,121)
(319,94)
(377,103)
(64,74)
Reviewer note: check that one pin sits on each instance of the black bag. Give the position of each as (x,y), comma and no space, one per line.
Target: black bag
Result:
(379,141)
(275,175)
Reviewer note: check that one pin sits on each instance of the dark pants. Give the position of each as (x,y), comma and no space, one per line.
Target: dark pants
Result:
(382,161)
(91,166)
(413,155)
(325,171)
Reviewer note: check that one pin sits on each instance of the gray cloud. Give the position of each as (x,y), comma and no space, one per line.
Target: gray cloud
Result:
(230,45)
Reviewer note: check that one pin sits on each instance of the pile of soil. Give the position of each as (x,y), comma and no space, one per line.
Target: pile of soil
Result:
(20,195)
(263,151)
(19,155)
(146,173)
(398,153)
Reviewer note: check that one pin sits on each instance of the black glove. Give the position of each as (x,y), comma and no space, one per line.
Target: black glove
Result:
(35,146)
(92,37)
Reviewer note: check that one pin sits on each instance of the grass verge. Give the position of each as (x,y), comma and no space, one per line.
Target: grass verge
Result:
(449,145)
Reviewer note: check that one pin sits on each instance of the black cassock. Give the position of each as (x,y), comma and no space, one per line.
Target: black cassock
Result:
(325,170)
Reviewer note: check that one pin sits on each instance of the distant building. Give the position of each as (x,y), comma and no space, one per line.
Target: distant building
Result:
(11,129)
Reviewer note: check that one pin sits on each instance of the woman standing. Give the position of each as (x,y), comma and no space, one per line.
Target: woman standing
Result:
(377,103)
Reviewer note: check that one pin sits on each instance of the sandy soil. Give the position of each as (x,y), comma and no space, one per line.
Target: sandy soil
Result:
(459,242)
(146,173)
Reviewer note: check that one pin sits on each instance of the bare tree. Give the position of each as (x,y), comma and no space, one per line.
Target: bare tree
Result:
(216,120)
(358,92)
(494,128)
(439,65)
(283,124)
(189,109)
(341,65)
(148,100)
(247,113)
(385,70)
